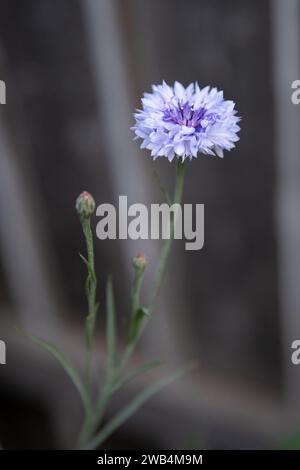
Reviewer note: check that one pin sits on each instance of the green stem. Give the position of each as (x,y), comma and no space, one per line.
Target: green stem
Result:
(163,258)
(164,255)
(88,234)
(91,284)
(93,420)
(91,289)
(135,296)
(136,318)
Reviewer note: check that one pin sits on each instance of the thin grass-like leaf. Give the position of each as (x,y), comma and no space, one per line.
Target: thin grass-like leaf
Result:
(136,373)
(66,365)
(134,406)
(110,327)
(85,261)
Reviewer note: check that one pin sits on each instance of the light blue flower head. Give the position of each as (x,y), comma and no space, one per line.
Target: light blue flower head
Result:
(182,122)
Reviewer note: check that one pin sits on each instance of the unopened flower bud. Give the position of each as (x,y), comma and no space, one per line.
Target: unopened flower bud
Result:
(85,204)
(140,262)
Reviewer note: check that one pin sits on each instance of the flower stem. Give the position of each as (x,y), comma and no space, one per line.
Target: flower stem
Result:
(94,417)
(161,267)
(135,296)
(91,288)
(164,255)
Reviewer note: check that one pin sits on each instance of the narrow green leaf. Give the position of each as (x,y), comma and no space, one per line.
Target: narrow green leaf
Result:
(91,274)
(136,373)
(146,311)
(110,326)
(134,406)
(66,365)
(84,260)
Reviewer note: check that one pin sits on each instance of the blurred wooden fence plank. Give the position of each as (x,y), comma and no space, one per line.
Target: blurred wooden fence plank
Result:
(22,249)
(128,169)
(286,61)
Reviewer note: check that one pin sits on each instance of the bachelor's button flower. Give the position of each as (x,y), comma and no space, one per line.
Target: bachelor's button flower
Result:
(182,122)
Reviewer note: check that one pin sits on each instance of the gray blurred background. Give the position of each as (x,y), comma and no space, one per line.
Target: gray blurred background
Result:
(75,71)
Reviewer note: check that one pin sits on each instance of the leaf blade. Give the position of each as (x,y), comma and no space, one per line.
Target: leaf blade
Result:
(121,417)
(136,373)
(110,326)
(66,365)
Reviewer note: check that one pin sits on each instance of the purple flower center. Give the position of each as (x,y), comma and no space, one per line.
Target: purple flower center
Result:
(186,115)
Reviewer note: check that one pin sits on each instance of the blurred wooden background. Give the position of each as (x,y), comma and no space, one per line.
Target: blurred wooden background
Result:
(75,71)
